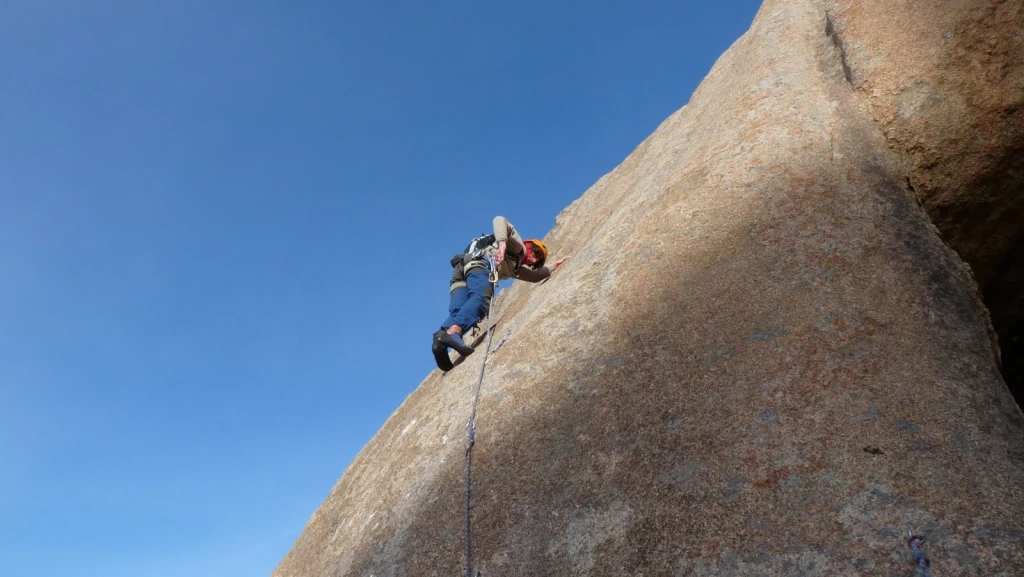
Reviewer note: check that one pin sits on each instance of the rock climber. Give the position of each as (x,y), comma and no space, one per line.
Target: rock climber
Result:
(472,288)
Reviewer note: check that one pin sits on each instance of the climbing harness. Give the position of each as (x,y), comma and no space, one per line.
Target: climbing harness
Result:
(471,426)
(473,250)
(915,542)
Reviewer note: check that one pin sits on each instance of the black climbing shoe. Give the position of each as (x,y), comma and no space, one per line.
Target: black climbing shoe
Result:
(455,342)
(440,353)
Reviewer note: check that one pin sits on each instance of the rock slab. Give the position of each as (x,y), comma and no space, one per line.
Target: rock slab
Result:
(762,359)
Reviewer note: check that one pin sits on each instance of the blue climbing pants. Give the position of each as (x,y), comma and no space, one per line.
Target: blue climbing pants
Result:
(468,304)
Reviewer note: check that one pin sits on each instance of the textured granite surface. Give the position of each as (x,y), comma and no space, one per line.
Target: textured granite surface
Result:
(762,358)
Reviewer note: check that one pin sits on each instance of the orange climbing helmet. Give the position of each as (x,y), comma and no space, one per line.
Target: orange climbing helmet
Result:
(539,250)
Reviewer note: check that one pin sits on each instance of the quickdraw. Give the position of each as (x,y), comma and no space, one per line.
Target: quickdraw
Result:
(915,542)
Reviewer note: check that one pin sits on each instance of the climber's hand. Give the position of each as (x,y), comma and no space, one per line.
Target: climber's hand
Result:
(500,257)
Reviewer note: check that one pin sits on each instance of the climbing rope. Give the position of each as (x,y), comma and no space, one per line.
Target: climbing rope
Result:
(915,542)
(471,425)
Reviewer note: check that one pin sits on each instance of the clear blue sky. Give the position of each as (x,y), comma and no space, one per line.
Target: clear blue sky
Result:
(225,230)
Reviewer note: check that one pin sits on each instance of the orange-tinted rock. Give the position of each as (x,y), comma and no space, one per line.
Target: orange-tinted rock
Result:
(761,360)
(945,81)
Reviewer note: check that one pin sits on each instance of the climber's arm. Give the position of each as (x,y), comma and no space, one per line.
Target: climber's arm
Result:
(507,238)
(530,275)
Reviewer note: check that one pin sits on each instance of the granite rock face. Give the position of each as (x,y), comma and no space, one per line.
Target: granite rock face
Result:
(945,82)
(762,358)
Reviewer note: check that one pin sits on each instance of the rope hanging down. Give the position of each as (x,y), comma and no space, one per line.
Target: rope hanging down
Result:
(471,425)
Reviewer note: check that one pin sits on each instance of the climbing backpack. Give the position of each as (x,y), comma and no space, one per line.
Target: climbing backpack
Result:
(474,249)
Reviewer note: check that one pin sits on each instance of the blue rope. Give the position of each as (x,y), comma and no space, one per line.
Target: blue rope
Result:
(471,430)
(915,542)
